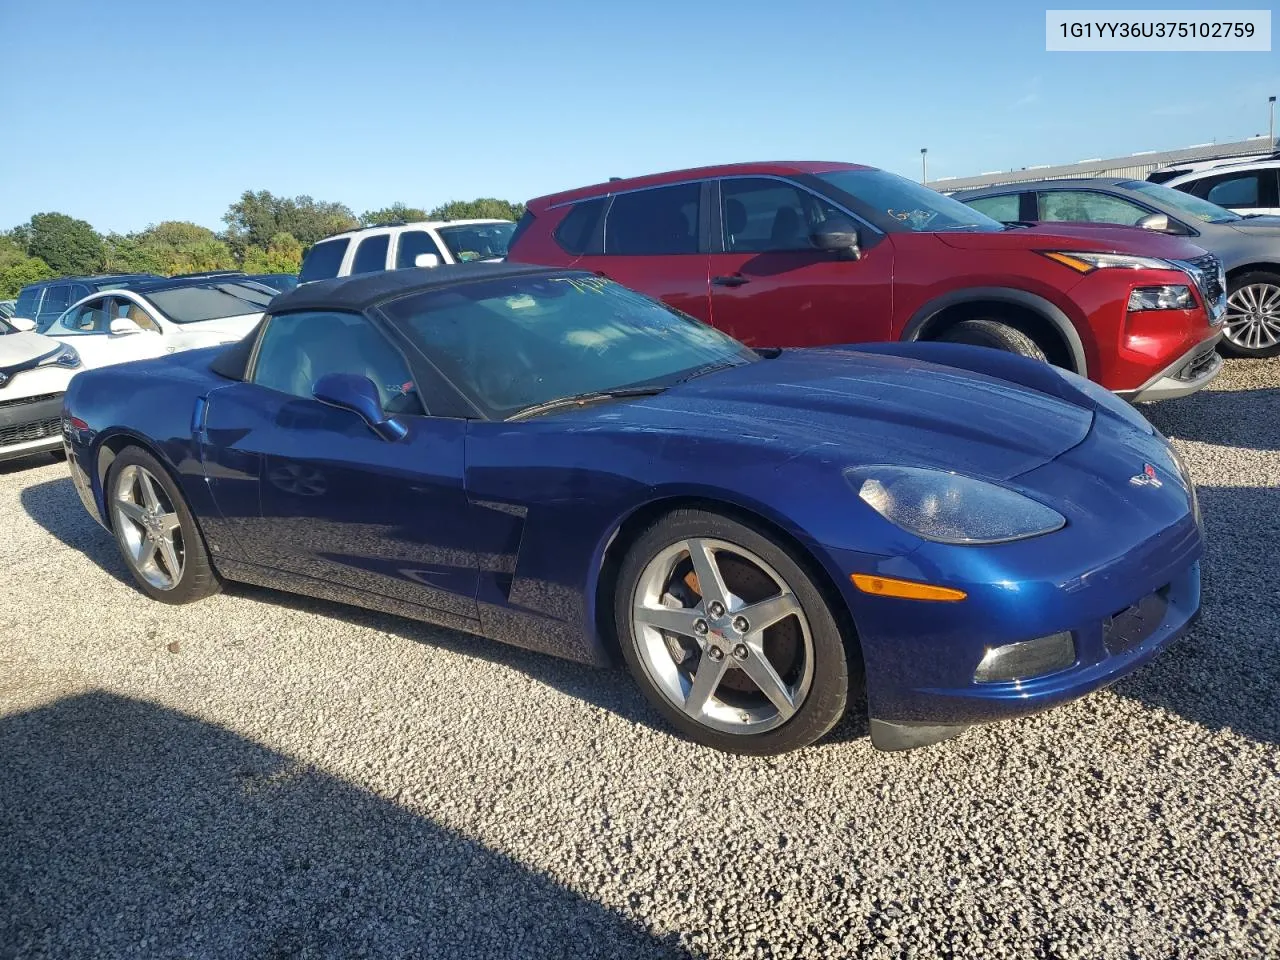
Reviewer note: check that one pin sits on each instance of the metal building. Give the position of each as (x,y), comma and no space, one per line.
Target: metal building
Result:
(1136,165)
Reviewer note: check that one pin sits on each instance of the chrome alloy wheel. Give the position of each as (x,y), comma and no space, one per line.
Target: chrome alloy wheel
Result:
(1253,316)
(149,527)
(722,636)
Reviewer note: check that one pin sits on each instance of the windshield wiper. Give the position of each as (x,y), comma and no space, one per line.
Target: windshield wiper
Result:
(710,368)
(582,399)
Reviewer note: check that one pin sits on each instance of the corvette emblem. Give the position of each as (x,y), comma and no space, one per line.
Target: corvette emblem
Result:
(1147,478)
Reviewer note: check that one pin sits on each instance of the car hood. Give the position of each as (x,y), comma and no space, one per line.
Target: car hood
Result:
(19,348)
(864,408)
(233,327)
(1095,237)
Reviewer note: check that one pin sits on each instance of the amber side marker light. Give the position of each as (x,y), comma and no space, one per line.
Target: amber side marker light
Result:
(1067,260)
(906,589)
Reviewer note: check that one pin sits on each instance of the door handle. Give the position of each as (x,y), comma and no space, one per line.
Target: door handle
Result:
(736,280)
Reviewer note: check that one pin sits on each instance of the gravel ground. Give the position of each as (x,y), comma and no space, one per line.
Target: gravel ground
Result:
(265,776)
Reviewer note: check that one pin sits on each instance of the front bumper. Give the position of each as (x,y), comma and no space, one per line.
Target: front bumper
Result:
(30,425)
(1107,650)
(1190,372)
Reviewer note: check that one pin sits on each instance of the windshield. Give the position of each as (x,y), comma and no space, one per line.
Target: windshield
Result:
(477,241)
(209,302)
(6,327)
(521,341)
(913,206)
(1194,206)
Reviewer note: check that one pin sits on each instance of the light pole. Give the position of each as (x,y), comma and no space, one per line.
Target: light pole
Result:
(924,161)
(1271,126)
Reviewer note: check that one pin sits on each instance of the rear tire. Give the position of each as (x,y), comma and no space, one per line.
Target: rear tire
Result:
(1252,325)
(995,335)
(764,671)
(155,531)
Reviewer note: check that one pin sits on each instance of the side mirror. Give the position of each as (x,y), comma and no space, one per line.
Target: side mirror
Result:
(22,324)
(123,326)
(350,391)
(426,260)
(1154,221)
(838,235)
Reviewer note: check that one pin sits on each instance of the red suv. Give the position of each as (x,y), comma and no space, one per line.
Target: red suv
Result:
(806,253)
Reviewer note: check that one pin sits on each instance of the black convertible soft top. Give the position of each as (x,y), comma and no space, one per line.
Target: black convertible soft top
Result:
(364,291)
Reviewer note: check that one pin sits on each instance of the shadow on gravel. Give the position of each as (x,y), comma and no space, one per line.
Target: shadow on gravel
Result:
(27,463)
(1249,419)
(56,506)
(1225,672)
(129,828)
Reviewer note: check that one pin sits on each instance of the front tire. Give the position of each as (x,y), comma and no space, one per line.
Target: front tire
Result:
(155,531)
(1252,325)
(729,636)
(995,335)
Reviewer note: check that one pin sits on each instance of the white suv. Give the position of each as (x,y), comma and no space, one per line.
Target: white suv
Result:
(1245,186)
(400,245)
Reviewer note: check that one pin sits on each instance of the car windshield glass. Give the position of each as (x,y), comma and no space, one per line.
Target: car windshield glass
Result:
(1192,206)
(208,302)
(518,342)
(913,206)
(5,327)
(477,241)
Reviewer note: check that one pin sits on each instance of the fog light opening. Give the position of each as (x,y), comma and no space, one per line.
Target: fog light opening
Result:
(1030,658)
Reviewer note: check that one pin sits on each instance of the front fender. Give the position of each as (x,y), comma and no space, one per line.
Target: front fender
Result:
(1023,371)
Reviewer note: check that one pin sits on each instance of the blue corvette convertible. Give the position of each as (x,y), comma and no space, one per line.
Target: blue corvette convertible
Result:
(546,458)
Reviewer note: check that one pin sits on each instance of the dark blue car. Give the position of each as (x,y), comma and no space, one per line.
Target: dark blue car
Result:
(546,458)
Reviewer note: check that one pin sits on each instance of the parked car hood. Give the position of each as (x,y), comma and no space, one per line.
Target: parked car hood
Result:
(1095,237)
(864,408)
(233,327)
(20,347)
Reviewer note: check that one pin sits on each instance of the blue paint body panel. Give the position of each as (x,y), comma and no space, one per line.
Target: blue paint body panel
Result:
(501,528)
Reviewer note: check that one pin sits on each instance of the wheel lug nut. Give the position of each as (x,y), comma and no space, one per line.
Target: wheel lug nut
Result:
(700,627)
(716,609)
(741,625)
(740,651)
(715,653)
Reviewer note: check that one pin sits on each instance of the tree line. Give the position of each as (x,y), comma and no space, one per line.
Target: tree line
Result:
(264,234)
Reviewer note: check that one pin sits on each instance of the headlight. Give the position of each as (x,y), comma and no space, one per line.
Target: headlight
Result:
(1107,400)
(1089,262)
(66,357)
(950,508)
(1161,298)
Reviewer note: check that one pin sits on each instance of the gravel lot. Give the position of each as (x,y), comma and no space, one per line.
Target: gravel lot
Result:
(260,775)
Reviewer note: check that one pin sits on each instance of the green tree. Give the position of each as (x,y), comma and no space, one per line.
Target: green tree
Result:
(17,269)
(484,208)
(257,217)
(126,253)
(174,246)
(283,254)
(67,245)
(392,214)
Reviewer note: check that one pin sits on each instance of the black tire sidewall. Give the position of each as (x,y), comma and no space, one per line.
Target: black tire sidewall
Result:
(996,335)
(198,577)
(1225,346)
(828,692)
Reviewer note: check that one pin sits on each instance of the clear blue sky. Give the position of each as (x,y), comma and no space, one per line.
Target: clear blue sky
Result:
(136,111)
